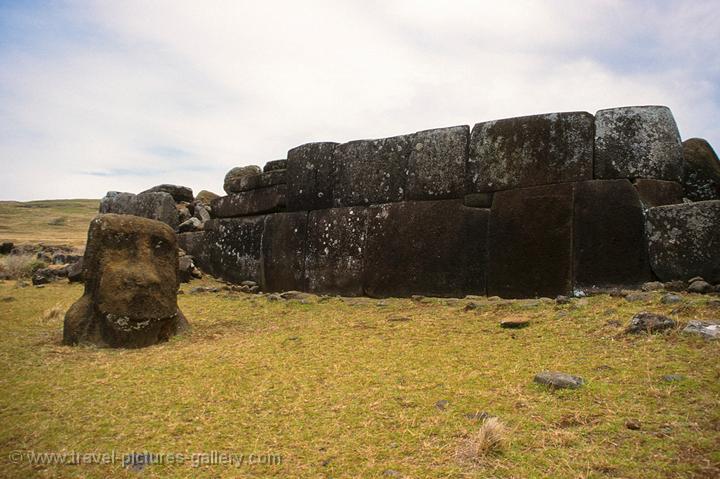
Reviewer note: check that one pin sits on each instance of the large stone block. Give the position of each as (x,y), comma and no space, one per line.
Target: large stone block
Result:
(335,249)
(434,248)
(701,180)
(233,249)
(684,241)
(436,164)
(240,184)
(530,242)
(637,142)
(158,206)
(248,203)
(283,249)
(609,235)
(530,150)
(371,171)
(310,176)
(659,192)
(179,193)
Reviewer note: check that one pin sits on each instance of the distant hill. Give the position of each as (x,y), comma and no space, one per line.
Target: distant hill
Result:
(46,221)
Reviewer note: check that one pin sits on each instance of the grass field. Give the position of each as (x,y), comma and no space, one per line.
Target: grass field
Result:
(51,222)
(342,388)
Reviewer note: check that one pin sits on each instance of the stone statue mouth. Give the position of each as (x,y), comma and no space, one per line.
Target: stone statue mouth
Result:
(130,323)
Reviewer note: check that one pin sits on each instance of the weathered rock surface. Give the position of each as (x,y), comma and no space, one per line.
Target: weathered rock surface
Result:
(130,267)
(371,171)
(75,271)
(530,242)
(637,142)
(530,151)
(206,197)
(179,193)
(478,200)
(705,329)
(275,165)
(6,247)
(283,250)
(428,248)
(248,203)
(335,249)
(684,241)
(558,380)
(230,249)
(310,176)
(239,172)
(436,164)
(192,224)
(659,192)
(252,182)
(700,287)
(158,206)
(609,235)
(702,170)
(644,322)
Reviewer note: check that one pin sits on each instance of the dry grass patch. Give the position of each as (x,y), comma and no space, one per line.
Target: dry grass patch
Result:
(490,438)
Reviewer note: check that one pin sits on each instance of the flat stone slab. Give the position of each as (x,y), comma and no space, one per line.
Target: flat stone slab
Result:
(436,164)
(609,235)
(644,322)
(275,165)
(434,248)
(371,171)
(530,151)
(283,250)
(335,249)
(530,242)
(157,205)
(703,328)
(515,323)
(558,380)
(232,249)
(659,192)
(252,182)
(637,142)
(311,176)
(684,241)
(249,203)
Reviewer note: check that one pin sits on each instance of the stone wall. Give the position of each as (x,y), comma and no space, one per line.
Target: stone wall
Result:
(532,206)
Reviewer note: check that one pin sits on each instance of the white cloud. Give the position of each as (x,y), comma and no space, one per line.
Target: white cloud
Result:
(182,91)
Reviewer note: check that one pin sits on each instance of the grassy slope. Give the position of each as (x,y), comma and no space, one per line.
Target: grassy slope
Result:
(340,391)
(30,222)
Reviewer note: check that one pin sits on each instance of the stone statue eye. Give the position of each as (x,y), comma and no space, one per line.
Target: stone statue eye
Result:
(160,246)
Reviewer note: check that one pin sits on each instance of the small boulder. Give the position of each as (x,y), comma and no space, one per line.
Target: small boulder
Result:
(700,287)
(202,213)
(638,297)
(193,224)
(703,328)
(671,299)
(294,295)
(558,380)
(236,173)
(206,197)
(653,286)
(672,378)
(43,276)
(645,322)
(179,193)
(514,323)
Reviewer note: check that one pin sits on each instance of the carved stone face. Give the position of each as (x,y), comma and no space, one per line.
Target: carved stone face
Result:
(131,284)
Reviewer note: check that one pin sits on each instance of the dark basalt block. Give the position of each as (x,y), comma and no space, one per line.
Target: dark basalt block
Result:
(310,176)
(248,203)
(659,192)
(530,242)
(701,180)
(179,193)
(637,142)
(157,205)
(371,171)
(233,249)
(609,235)
(436,248)
(283,249)
(436,164)
(684,241)
(530,150)
(275,165)
(253,182)
(335,249)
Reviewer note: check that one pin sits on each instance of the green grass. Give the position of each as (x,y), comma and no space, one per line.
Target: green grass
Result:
(47,221)
(337,390)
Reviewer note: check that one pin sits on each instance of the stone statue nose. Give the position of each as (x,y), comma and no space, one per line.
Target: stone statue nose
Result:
(141,277)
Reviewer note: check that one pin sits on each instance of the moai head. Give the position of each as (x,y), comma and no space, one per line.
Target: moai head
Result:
(131,283)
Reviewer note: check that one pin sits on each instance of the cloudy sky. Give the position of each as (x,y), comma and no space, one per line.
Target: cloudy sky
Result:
(122,95)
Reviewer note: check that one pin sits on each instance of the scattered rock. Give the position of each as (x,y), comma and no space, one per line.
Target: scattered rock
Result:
(248,283)
(6,247)
(671,299)
(239,172)
(703,328)
(695,278)
(638,297)
(633,424)
(186,269)
(700,287)
(399,319)
(193,224)
(514,323)
(645,322)
(713,303)
(294,295)
(558,380)
(179,193)
(562,299)
(203,289)
(653,286)
(675,286)
(202,213)
(478,416)
(43,276)
(206,197)
(442,404)
(471,306)
(381,304)
(391,473)
(273,297)
(7,299)
(671,378)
